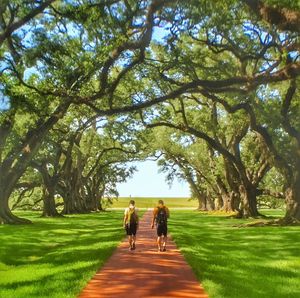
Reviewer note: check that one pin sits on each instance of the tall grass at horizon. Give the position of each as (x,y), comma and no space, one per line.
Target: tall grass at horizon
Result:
(150,202)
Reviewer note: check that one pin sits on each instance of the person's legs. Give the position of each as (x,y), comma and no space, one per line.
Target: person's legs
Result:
(165,237)
(164,242)
(159,243)
(131,235)
(133,231)
(130,241)
(128,235)
(159,237)
(133,241)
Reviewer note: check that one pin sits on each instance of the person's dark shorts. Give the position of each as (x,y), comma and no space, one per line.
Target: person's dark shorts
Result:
(131,229)
(162,230)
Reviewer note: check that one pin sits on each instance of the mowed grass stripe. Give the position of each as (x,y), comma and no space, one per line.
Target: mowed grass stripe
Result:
(56,257)
(236,262)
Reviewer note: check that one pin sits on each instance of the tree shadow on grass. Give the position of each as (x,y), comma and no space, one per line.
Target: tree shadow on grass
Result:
(232,262)
(64,252)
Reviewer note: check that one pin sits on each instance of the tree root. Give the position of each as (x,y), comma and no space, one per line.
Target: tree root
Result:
(14,220)
(275,223)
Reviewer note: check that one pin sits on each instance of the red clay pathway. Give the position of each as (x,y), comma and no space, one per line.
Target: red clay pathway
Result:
(144,273)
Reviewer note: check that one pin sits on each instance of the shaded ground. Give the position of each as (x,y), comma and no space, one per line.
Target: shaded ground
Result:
(145,272)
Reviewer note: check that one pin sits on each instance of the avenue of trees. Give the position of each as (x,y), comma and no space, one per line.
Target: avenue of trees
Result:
(210,87)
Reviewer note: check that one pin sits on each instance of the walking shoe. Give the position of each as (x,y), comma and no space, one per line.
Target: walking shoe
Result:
(133,246)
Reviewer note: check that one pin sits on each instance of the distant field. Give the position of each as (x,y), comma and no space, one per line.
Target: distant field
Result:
(146,202)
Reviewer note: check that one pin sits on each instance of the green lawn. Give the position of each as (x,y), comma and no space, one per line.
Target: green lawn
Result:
(146,202)
(55,257)
(258,262)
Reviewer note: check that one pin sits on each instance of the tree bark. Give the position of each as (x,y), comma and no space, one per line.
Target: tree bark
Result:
(69,205)
(17,161)
(292,205)
(248,201)
(6,216)
(293,197)
(283,18)
(73,203)
(99,205)
(209,204)
(50,183)
(227,204)
(49,207)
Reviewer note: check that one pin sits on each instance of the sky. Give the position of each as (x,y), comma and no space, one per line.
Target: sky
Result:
(147,182)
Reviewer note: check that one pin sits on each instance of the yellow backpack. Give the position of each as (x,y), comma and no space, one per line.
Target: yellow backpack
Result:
(132,217)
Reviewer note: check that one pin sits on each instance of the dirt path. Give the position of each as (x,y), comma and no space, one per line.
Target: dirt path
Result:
(145,273)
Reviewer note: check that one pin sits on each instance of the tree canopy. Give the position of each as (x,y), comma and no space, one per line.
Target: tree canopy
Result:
(89,85)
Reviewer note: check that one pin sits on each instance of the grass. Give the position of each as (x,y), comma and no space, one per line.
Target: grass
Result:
(239,262)
(148,202)
(55,257)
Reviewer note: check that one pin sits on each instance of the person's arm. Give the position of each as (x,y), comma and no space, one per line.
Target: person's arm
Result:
(125,218)
(153,218)
(168,212)
(137,220)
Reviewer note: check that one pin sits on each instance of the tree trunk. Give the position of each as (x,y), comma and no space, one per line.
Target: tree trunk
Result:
(292,205)
(99,205)
(49,208)
(201,204)
(73,204)
(227,203)
(248,202)
(218,202)
(6,216)
(69,205)
(209,204)
(16,163)
(235,200)
(292,214)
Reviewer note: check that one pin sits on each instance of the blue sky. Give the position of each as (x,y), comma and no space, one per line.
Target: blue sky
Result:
(147,182)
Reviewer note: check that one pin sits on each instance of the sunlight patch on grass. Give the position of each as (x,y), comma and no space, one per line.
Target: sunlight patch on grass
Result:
(56,257)
(236,262)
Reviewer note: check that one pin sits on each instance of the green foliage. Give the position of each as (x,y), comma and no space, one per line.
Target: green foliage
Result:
(270,202)
(284,4)
(100,57)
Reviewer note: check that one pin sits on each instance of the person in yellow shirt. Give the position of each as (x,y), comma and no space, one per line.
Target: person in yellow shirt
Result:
(160,218)
(130,223)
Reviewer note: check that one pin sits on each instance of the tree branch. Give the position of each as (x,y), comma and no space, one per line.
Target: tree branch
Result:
(283,18)
(285,109)
(19,23)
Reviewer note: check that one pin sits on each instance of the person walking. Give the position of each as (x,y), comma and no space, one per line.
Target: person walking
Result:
(130,223)
(160,218)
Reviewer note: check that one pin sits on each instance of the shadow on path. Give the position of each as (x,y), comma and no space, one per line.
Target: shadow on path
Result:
(145,272)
